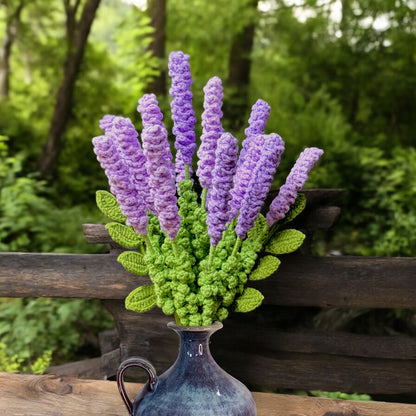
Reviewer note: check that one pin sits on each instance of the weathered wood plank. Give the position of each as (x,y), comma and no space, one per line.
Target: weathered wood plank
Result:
(96,234)
(99,368)
(88,276)
(29,395)
(371,282)
(307,341)
(320,372)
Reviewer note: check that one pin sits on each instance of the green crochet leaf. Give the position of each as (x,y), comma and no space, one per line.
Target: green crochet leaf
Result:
(133,262)
(249,300)
(295,209)
(267,266)
(285,241)
(124,235)
(108,205)
(141,299)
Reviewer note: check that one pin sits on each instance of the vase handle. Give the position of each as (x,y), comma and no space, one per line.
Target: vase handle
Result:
(150,385)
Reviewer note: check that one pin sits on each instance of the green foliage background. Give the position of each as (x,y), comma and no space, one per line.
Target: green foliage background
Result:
(345,84)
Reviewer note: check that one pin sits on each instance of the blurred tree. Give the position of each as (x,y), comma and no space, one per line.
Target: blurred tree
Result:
(157,13)
(77,31)
(12,12)
(239,67)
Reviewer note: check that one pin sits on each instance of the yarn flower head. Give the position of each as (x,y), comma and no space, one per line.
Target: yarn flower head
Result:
(200,251)
(183,114)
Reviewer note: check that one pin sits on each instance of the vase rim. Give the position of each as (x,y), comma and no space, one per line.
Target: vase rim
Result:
(213,327)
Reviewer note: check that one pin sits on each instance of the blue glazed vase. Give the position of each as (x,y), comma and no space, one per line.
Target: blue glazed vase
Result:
(194,386)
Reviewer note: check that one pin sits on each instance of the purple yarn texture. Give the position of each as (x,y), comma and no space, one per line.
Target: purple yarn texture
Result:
(149,110)
(211,130)
(118,174)
(259,115)
(134,158)
(183,114)
(222,181)
(151,115)
(245,173)
(294,183)
(161,175)
(260,183)
(106,123)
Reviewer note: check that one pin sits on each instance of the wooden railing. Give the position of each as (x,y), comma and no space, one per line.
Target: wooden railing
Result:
(265,349)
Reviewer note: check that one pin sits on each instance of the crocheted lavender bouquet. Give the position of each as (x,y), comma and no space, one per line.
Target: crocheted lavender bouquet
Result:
(200,251)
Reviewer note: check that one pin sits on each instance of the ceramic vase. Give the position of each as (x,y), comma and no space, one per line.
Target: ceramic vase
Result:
(195,385)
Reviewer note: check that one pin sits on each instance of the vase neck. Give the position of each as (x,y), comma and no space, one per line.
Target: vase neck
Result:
(194,341)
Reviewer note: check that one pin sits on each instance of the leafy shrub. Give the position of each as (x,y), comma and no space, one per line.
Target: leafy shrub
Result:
(379,209)
(8,363)
(11,363)
(35,329)
(29,220)
(32,329)
(342,396)
(388,203)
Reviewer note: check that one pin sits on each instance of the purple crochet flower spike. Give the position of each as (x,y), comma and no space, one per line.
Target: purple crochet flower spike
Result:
(222,180)
(183,114)
(106,123)
(149,110)
(211,130)
(294,183)
(159,165)
(259,115)
(134,158)
(245,173)
(260,183)
(131,203)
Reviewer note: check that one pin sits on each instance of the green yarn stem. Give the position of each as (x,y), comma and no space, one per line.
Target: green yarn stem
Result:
(211,256)
(270,231)
(177,319)
(148,243)
(175,248)
(233,223)
(187,172)
(204,198)
(237,246)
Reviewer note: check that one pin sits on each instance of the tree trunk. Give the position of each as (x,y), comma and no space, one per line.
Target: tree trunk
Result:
(9,37)
(238,81)
(157,13)
(77,35)
(346,15)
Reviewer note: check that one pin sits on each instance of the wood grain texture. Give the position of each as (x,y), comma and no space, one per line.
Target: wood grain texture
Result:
(88,276)
(29,395)
(372,282)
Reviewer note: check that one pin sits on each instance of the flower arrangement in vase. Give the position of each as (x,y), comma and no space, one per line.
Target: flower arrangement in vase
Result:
(200,251)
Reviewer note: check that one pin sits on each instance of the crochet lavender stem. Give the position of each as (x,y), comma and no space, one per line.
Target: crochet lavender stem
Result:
(183,114)
(162,178)
(294,183)
(211,130)
(259,115)
(260,184)
(134,158)
(222,180)
(131,203)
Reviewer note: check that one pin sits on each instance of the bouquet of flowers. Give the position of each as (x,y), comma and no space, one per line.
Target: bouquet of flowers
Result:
(199,251)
